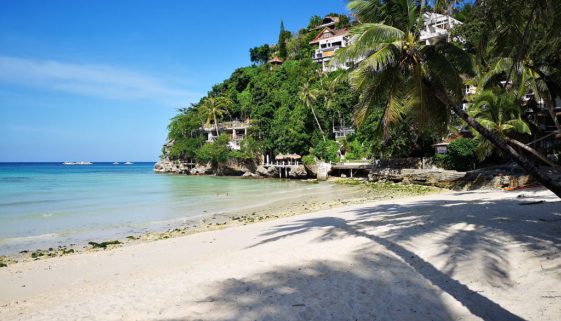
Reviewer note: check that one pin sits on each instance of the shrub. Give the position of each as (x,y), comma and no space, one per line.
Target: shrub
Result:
(459,156)
(326,150)
(309,160)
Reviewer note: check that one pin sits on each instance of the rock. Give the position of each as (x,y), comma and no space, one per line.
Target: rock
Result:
(174,167)
(270,171)
(298,171)
(249,175)
(432,177)
(201,170)
(312,169)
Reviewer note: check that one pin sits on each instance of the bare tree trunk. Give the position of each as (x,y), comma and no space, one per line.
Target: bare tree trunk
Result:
(545,179)
(533,152)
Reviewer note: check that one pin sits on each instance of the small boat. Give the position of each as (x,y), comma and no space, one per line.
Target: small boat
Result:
(83,163)
(128,163)
(68,163)
(116,163)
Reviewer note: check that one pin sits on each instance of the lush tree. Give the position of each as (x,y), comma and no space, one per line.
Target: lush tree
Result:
(409,77)
(283,37)
(260,54)
(213,109)
(308,96)
(315,21)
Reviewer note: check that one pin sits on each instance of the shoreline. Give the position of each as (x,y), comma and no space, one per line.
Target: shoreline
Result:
(353,191)
(447,256)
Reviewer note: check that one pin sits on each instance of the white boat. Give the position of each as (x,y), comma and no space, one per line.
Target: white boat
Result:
(128,163)
(77,163)
(116,163)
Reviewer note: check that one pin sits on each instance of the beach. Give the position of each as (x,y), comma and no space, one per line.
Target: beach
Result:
(478,255)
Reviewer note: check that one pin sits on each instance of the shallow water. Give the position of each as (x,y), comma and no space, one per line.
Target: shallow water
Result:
(49,204)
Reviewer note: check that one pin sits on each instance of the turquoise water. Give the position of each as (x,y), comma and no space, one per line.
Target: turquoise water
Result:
(49,204)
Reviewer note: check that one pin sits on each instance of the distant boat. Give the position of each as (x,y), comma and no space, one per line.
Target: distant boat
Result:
(128,163)
(116,163)
(77,163)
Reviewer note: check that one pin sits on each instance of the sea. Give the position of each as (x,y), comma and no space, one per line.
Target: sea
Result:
(50,204)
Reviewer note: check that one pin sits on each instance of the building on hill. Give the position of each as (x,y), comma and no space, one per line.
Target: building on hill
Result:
(330,40)
(437,27)
(328,21)
(274,62)
(236,130)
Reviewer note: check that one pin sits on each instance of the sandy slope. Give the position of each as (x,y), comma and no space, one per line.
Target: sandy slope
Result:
(459,256)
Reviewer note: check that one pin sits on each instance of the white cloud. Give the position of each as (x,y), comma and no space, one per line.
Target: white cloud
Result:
(92,80)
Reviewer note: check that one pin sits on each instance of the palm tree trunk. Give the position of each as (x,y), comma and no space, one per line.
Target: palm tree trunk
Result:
(533,152)
(319,125)
(544,178)
(215,123)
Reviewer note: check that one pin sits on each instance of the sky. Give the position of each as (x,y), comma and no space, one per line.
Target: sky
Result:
(99,80)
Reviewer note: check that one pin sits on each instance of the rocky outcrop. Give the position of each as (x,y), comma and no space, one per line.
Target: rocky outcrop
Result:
(267,171)
(236,168)
(173,167)
(199,169)
(298,171)
(432,177)
(493,177)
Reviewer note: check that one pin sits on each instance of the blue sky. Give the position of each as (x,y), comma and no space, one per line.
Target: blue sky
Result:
(99,80)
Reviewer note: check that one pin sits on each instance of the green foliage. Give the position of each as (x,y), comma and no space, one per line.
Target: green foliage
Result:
(315,21)
(283,37)
(260,54)
(459,156)
(354,149)
(215,153)
(328,151)
(309,160)
(186,148)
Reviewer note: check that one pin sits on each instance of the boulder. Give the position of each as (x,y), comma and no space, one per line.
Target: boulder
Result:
(298,171)
(270,171)
(201,170)
(433,177)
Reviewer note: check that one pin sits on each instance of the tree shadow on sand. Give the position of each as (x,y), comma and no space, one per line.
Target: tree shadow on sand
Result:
(386,280)
(370,286)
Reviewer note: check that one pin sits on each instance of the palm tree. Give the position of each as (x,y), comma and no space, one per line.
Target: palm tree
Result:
(500,113)
(402,76)
(328,88)
(214,108)
(308,97)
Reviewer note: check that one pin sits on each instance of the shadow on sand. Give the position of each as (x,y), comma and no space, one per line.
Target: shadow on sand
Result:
(386,280)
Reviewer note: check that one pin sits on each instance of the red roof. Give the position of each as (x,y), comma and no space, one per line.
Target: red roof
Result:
(333,32)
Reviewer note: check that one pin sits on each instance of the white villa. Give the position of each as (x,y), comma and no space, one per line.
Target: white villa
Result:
(329,40)
(437,27)
(237,130)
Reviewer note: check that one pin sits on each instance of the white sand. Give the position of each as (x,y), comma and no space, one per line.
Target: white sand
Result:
(458,256)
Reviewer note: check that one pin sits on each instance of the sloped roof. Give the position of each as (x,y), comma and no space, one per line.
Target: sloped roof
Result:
(275,60)
(333,32)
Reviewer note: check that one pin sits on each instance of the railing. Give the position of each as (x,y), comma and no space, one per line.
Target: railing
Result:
(235,124)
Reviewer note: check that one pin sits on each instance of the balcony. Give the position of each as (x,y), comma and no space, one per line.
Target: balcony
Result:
(227,126)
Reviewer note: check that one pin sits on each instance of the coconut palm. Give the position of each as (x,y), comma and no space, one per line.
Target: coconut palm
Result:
(308,97)
(401,75)
(214,108)
(499,111)
(327,91)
